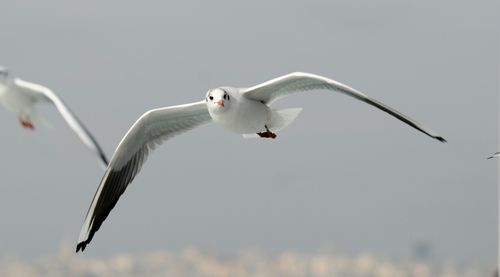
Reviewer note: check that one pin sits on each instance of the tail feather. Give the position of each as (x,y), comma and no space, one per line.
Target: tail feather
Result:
(40,120)
(250,136)
(282,118)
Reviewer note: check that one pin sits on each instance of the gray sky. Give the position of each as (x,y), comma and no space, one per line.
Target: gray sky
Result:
(344,175)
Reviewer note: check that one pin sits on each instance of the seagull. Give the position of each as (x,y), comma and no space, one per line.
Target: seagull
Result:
(20,97)
(494,155)
(245,111)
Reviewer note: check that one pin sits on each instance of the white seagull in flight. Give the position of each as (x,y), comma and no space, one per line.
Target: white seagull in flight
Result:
(20,97)
(245,111)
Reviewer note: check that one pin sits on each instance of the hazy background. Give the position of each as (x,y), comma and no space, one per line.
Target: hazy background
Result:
(344,176)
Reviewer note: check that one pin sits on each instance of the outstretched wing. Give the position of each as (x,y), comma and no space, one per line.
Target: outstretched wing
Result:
(272,90)
(150,130)
(38,92)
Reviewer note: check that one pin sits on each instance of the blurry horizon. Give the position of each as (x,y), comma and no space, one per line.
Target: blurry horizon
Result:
(343,175)
(193,261)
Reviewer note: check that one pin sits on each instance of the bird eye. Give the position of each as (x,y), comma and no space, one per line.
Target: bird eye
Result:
(211,97)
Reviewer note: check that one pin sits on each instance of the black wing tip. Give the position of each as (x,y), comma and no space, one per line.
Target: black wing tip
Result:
(104,159)
(493,156)
(81,246)
(441,139)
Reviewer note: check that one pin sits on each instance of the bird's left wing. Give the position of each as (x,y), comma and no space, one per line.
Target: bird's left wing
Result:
(274,89)
(39,92)
(150,130)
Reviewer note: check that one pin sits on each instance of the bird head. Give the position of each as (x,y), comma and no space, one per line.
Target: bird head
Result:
(218,100)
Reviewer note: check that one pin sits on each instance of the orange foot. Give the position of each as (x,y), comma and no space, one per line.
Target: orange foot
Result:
(27,124)
(267,134)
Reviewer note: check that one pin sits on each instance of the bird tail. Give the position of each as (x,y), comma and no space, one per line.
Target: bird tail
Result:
(250,136)
(40,120)
(282,118)
(279,120)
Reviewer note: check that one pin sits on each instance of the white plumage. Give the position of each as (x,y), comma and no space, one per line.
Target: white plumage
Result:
(20,97)
(241,110)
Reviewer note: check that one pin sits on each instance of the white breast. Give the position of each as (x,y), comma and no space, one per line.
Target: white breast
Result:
(13,100)
(244,116)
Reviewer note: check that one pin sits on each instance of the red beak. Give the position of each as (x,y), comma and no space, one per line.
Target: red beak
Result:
(220,103)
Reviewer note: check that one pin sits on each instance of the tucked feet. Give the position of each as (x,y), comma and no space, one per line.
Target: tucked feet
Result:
(26,124)
(267,134)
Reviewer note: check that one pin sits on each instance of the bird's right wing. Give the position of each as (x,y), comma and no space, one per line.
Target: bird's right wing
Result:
(150,130)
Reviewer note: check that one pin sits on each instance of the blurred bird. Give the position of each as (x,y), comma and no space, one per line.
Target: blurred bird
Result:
(20,97)
(494,155)
(245,111)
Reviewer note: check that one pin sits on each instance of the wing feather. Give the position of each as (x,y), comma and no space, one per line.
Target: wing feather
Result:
(149,131)
(39,93)
(275,89)
(497,154)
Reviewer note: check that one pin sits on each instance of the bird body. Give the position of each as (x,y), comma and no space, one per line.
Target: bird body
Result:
(241,110)
(245,116)
(20,103)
